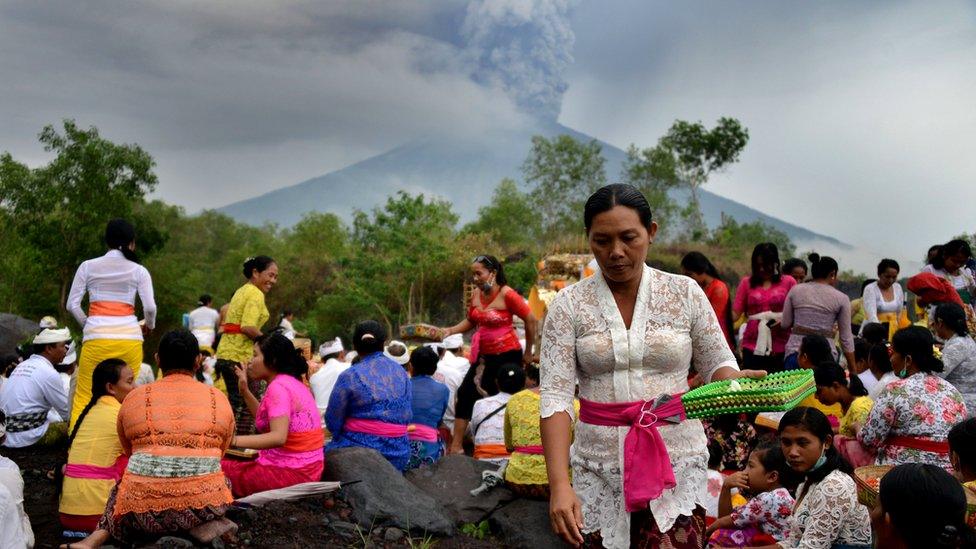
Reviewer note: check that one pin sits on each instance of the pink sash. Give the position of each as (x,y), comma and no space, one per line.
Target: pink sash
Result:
(375,427)
(531,450)
(647,465)
(421,432)
(92,472)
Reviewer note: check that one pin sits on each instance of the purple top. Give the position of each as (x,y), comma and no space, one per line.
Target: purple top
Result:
(757,300)
(286,396)
(817,307)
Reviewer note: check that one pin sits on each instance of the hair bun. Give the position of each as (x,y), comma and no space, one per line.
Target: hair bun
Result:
(814,258)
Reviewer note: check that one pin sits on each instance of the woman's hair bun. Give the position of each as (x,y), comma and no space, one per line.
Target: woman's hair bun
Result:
(813,258)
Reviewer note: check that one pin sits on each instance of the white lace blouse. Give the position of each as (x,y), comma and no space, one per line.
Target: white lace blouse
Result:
(584,340)
(829,514)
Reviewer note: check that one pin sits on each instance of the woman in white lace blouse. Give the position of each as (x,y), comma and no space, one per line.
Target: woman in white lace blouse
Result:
(628,336)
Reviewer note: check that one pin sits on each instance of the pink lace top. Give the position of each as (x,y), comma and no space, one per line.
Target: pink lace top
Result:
(286,396)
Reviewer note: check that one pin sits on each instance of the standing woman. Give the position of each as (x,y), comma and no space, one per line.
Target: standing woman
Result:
(203,322)
(246,314)
(761,297)
(797,268)
(814,308)
(950,264)
(111,329)
(884,300)
(701,270)
(628,337)
(493,304)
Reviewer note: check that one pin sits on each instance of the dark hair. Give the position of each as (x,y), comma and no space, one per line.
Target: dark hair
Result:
(281,355)
(532,372)
(423,359)
(618,194)
(119,233)
(822,267)
(874,333)
(828,372)
(949,249)
(714,454)
(39,348)
(886,264)
(286,312)
(815,422)
(927,506)
(917,342)
(861,348)
(259,264)
(697,263)
(879,356)
(769,453)
(491,263)
(793,263)
(178,350)
(962,440)
(205,299)
(867,282)
(368,338)
(817,349)
(107,371)
(953,316)
(767,254)
(510,378)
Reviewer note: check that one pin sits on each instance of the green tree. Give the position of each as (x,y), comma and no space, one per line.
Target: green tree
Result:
(692,153)
(653,172)
(561,174)
(733,237)
(60,209)
(509,219)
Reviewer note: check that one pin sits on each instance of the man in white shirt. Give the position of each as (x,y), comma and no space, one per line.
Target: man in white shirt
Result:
(203,322)
(33,390)
(451,369)
(324,380)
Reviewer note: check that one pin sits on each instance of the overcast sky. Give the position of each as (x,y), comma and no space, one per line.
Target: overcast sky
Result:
(862,115)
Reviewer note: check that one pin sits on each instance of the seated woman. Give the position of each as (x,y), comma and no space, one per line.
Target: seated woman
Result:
(95,458)
(911,417)
(429,401)
(526,471)
(833,387)
(815,349)
(958,353)
(290,435)
(175,431)
(370,404)
(487,425)
(921,506)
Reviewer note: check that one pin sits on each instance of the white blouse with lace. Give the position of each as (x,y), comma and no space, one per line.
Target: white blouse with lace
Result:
(829,514)
(585,340)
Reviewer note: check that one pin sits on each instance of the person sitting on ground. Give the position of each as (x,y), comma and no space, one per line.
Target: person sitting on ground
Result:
(451,370)
(815,349)
(958,353)
(333,356)
(526,471)
(879,369)
(428,402)
(833,387)
(911,417)
(290,436)
(174,431)
(398,352)
(766,516)
(370,404)
(33,390)
(487,427)
(962,453)
(95,456)
(920,506)
(15,526)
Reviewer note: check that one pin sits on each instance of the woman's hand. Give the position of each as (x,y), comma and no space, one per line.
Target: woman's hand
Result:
(528,358)
(566,515)
(241,372)
(727,372)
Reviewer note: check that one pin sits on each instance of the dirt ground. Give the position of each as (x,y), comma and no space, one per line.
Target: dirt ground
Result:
(314,522)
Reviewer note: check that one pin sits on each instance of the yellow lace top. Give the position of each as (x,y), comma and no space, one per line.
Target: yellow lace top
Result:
(522,429)
(855,417)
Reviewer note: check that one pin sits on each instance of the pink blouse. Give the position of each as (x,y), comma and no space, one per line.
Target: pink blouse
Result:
(286,396)
(757,300)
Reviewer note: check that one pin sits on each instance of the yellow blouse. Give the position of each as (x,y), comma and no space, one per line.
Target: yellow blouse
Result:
(522,429)
(832,410)
(97,443)
(855,417)
(246,308)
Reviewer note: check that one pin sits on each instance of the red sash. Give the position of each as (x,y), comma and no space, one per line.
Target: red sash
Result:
(918,443)
(231,328)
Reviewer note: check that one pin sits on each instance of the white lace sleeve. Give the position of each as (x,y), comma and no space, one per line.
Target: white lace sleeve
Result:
(831,505)
(710,349)
(953,355)
(557,361)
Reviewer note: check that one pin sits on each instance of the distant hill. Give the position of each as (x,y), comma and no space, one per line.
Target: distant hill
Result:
(465,172)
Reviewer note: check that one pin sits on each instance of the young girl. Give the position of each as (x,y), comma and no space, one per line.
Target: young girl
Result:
(921,507)
(815,349)
(879,369)
(768,513)
(833,387)
(95,459)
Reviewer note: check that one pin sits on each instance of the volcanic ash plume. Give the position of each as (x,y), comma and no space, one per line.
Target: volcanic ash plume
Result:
(522,47)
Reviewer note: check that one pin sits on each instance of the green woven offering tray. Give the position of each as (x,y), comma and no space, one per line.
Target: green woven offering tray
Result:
(774,393)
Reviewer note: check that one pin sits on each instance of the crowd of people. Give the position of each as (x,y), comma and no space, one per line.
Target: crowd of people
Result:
(584,413)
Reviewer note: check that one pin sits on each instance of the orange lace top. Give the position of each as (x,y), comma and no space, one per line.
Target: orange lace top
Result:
(175,431)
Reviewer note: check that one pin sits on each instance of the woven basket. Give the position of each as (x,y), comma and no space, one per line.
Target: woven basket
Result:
(777,392)
(421,331)
(868,480)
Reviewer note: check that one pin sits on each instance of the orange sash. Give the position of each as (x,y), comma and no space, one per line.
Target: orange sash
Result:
(305,441)
(490,451)
(110,308)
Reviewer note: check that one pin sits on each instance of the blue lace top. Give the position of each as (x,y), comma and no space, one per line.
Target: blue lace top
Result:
(374,388)
(429,400)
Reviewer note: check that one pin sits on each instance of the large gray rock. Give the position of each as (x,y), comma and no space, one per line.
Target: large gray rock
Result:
(450,481)
(13,331)
(524,523)
(382,496)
